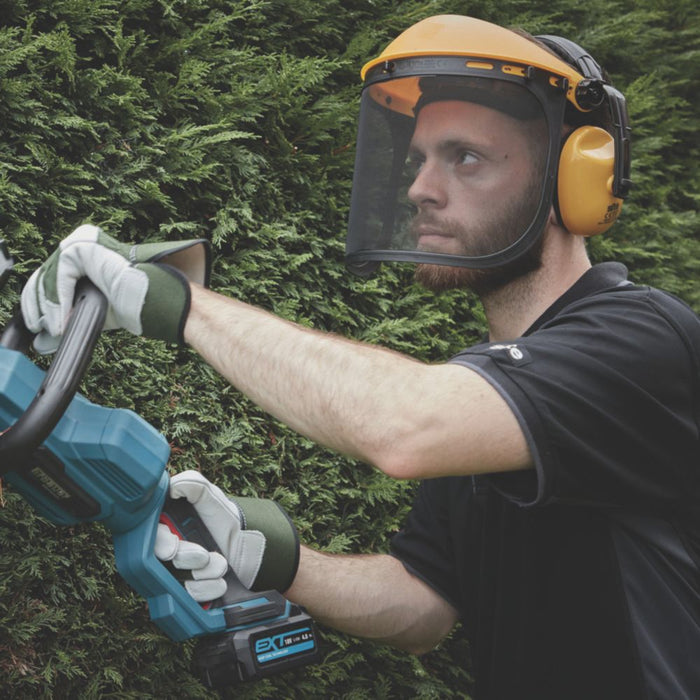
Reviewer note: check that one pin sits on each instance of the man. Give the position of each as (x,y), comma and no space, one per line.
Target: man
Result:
(557,516)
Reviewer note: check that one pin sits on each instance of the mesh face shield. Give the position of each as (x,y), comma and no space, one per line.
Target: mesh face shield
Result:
(473,143)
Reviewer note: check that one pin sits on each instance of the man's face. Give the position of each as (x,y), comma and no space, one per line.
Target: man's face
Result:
(478,180)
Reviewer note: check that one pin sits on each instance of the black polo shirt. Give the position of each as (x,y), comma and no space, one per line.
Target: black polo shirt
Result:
(580,578)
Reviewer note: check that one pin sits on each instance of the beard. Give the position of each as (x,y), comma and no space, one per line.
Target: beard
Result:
(440,278)
(489,237)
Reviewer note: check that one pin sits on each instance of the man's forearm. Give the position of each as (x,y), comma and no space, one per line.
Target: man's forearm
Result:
(410,419)
(371,596)
(303,377)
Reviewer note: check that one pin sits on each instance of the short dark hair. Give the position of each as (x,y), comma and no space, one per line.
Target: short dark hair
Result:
(513,100)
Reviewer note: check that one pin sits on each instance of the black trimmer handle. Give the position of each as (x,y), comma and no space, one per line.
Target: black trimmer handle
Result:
(62,378)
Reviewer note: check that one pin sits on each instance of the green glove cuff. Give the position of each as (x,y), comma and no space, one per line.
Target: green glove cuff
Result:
(167,303)
(281,558)
(169,266)
(192,258)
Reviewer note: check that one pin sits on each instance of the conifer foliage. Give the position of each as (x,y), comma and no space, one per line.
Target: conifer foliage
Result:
(235,120)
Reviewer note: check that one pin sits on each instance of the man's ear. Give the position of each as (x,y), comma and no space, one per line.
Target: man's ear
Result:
(553,220)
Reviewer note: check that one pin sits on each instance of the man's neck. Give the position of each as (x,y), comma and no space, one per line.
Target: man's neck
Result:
(512,309)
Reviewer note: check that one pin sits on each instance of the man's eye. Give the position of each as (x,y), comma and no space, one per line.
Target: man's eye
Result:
(414,164)
(466,158)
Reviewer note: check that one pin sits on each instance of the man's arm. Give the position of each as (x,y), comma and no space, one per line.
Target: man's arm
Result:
(372,596)
(410,419)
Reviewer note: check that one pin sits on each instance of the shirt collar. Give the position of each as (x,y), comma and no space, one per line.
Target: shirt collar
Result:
(599,277)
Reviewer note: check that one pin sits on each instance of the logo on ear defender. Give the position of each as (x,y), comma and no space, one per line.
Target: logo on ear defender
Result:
(611,214)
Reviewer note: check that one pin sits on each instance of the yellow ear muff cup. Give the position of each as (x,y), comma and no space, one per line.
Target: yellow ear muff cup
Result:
(584,187)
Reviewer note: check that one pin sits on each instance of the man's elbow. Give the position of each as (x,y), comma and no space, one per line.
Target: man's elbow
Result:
(399,466)
(426,634)
(406,462)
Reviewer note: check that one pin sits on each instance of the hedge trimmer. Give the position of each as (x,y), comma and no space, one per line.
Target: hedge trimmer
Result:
(76,462)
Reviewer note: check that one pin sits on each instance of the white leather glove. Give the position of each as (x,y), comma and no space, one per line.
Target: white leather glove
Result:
(255,535)
(146,285)
(207,568)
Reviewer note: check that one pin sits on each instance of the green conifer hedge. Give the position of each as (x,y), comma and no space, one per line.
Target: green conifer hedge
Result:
(235,120)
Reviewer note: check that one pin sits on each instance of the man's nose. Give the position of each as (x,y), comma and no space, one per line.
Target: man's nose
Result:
(429,186)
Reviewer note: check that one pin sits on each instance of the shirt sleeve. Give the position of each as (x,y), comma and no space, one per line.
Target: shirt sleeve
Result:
(605,394)
(426,543)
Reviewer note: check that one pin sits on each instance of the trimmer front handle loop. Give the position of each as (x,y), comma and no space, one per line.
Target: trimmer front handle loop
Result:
(62,379)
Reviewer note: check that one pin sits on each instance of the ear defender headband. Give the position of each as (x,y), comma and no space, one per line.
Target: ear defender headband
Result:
(594,165)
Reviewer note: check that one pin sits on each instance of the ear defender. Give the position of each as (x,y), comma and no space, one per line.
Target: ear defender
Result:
(585,199)
(594,165)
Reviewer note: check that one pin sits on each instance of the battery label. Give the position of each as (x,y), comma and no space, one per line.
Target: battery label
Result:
(285,644)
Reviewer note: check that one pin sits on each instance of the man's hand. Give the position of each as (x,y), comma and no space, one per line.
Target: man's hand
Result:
(255,535)
(147,286)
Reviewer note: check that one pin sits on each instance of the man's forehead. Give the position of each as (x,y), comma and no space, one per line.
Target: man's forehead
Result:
(458,119)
